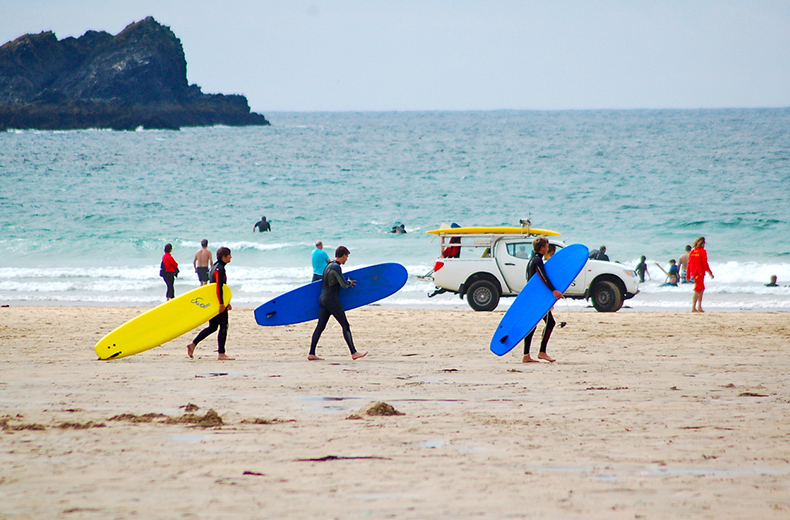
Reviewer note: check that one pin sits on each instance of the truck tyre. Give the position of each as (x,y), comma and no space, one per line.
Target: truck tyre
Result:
(483,296)
(606,296)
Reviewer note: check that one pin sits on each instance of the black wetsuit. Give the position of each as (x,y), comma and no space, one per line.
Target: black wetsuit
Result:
(220,320)
(534,266)
(330,305)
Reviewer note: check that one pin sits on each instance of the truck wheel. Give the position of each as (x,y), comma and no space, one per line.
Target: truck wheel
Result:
(483,296)
(606,297)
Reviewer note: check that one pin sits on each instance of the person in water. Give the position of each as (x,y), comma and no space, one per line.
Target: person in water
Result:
(535,266)
(203,259)
(641,269)
(773,282)
(697,267)
(330,305)
(220,321)
(683,263)
(673,270)
(599,254)
(169,270)
(262,225)
(319,260)
(399,229)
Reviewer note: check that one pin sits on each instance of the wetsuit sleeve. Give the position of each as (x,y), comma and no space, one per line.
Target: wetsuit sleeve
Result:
(541,271)
(336,277)
(220,281)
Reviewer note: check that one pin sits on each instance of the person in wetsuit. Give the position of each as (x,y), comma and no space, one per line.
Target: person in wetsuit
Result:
(535,266)
(220,321)
(330,305)
(262,225)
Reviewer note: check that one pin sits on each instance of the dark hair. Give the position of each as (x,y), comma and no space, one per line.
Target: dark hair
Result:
(538,243)
(204,242)
(168,248)
(342,251)
(222,252)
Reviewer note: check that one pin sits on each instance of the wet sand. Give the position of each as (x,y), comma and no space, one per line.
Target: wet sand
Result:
(644,415)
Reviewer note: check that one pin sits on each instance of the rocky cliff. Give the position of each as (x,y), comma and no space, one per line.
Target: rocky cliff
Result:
(135,78)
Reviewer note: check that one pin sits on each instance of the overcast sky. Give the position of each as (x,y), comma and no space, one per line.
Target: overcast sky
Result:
(362,55)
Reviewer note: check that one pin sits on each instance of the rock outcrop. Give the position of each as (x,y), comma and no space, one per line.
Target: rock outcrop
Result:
(135,78)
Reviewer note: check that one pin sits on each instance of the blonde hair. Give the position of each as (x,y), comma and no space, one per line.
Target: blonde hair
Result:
(700,241)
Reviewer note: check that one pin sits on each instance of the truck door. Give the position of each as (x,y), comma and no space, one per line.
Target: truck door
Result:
(513,258)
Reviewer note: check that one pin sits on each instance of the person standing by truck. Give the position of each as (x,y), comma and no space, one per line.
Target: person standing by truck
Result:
(535,266)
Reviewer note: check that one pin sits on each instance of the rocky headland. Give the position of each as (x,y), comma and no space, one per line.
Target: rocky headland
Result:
(137,78)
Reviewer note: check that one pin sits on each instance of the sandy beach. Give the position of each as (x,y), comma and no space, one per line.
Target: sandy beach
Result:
(644,415)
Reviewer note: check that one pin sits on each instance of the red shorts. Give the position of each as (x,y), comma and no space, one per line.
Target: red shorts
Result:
(699,283)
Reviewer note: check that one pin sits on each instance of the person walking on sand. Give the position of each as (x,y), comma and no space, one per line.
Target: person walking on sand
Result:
(203,259)
(169,270)
(330,305)
(535,266)
(319,259)
(220,321)
(697,267)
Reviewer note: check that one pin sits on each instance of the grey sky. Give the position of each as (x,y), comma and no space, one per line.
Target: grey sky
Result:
(458,55)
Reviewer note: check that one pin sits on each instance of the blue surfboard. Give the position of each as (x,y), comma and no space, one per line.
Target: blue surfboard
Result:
(535,299)
(373,283)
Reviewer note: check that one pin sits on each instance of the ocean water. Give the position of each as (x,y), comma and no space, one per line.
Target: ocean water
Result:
(84,215)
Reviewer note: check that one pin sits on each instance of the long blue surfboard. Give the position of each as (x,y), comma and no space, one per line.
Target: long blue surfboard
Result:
(373,283)
(535,299)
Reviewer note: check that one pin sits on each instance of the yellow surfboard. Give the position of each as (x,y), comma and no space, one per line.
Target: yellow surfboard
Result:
(163,323)
(497,230)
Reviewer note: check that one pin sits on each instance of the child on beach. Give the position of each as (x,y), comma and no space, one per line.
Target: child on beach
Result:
(641,269)
(220,321)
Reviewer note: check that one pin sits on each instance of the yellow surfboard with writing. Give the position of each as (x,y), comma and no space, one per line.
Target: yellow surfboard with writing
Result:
(163,323)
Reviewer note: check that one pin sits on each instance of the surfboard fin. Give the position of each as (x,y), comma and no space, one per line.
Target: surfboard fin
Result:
(503,338)
(270,314)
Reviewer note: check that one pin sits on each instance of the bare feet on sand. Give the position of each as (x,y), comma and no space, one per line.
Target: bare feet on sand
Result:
(357,355)
(224,357)
(191,350)
(313,357)
(546,357)
(527,359)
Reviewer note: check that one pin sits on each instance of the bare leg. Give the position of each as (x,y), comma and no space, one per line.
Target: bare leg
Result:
(546,357)
(528,359)
(357,355)
(313,357)
(191,350)
(225,357)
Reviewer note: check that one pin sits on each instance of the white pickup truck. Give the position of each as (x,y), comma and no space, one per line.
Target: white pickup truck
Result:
(487,266)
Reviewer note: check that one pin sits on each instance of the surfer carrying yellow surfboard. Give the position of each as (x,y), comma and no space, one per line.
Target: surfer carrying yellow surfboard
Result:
(220,321)
(330,305)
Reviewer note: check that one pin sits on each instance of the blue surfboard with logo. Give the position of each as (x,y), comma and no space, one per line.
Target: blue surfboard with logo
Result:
(535,299)
(374,283)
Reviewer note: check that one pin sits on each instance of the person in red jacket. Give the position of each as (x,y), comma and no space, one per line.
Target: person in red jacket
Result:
(169,270)
(697,267)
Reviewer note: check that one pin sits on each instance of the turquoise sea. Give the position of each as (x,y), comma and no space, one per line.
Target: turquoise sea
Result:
(84,215)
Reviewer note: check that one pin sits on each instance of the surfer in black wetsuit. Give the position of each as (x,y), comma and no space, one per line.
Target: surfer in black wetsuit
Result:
(535,266)
(330,305)
(262,225)
(220,321)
